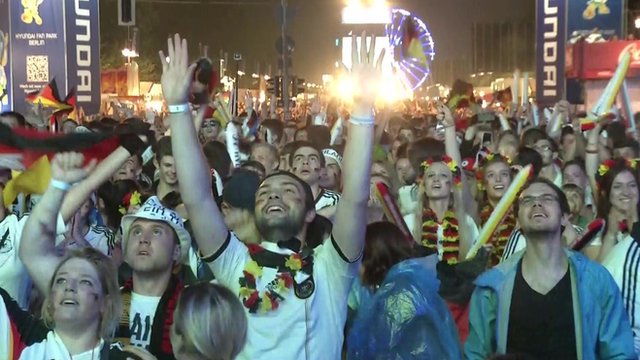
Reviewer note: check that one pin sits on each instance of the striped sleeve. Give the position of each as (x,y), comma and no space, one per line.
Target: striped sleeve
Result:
(515,243)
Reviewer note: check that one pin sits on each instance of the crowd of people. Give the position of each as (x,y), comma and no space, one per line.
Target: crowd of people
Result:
(345,232)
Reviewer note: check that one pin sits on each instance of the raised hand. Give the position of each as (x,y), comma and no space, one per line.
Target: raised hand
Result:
(176,73)
(68,167)
(444,114)
(366,74)
(248,102)
(223,107)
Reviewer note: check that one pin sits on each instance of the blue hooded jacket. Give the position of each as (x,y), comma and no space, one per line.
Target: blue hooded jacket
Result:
(602,327)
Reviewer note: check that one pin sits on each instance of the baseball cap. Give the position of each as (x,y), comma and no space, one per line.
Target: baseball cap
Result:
(153,209)
(240,190)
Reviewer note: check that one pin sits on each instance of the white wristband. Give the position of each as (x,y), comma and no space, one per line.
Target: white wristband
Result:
(178,109)
(60,185)
(368,121)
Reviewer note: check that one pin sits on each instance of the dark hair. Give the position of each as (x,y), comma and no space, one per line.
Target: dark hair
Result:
(253,164)
(16,115)
(319,135)
(566,130)
(112,194)
(309,201)
(276,126)
(605,182)
(218,157)
(531,136)
(575,162)
(171,200)
(287,149)
(422,149)
(526,156)
(402,151)
(562,198)
(109,122)
(163,148)
(385,245)
(300,144)
(617,133)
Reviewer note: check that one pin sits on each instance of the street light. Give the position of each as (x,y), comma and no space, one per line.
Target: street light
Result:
(637,22)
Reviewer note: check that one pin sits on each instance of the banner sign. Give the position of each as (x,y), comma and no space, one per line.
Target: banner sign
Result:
(38,48)
(5,57)
(584,16)
(598,61)
(550,50)
(83,52)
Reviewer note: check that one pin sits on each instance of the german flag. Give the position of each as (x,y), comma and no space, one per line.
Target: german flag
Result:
(49,98)
(411,45)
(35,148)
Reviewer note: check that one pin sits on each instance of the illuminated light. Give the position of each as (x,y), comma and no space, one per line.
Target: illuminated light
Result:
(267,77)
(240,73)
(473,75)
(482,74)
(636,22)
(358,13)
(263,96)
(255,76)
(413,73)
(126,52)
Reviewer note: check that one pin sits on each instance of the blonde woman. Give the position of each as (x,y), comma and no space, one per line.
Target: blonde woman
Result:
(80,312)
(209,324)
(442,222)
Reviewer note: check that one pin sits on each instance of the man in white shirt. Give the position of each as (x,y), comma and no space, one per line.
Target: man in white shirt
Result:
(295,295)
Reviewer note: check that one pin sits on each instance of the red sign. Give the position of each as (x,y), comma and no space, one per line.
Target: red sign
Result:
(599,60)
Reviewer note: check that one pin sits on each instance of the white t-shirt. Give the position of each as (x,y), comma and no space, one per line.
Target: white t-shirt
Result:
(327,198)
(53,348)
(141,314)
(13,275)
(309,328)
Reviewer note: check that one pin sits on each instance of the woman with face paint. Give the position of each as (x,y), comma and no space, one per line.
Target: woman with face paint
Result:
(442,222)
(79,313)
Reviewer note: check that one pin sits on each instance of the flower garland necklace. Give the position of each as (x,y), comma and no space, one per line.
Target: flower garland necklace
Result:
(288,267)
(450,225)
(501,235)
(450,234)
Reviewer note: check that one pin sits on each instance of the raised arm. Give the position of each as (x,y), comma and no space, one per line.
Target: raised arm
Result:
(37,246)
(350,225)
(592,158)
(130,144)
(194,178)
(463,202)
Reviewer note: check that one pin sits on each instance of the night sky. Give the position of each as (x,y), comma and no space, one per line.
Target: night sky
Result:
(253,29)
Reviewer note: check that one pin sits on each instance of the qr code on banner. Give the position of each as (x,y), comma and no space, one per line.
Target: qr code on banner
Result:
(38,68)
